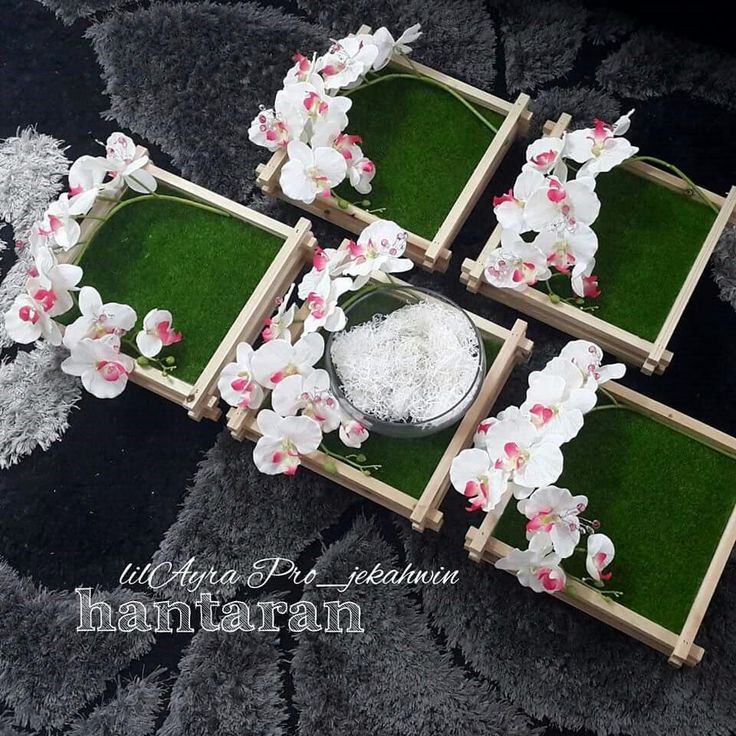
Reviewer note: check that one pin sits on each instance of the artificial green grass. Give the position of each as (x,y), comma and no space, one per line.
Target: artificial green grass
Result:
(425,145)
(199,265)
(407,464)
(662,497)
(649,237)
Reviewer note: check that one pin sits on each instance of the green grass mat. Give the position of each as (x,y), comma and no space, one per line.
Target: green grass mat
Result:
(663,498)
(425,145)
(649,237)
(200,266)
(408,464)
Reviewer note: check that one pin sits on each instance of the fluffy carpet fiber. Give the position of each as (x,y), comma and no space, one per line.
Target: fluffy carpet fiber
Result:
(482,657)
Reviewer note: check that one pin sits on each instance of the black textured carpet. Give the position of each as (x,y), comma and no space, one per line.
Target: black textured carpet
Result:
(77,513)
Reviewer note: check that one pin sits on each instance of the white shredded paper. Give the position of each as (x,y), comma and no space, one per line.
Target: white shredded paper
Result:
(408,366)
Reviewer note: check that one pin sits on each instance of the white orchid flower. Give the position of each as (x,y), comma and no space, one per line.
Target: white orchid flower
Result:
(59,223)
(379,248)
(569,250)
(98,319)
(509,208)
(585,282)
(85,181)
(308,109)
(551,407)
(544,154)
(515,264)
(309,396)
(347,62)
(600,148)
(329,261)
(600,554)
(125,167)
(479,438)
(322,304)
(236,383)
(352,432)
(284,441)
(360,169)
(311,173)
(269,131)
(120,147)
(386,45)
(530,457)
(553,515)
(587,357)
(28,320)
(58,279)
(561,204)
(277,326)
(540,572)
(103,368)
(361,175)
(472,474)
(156,333)
(133,175)
(277,359)
(304,70)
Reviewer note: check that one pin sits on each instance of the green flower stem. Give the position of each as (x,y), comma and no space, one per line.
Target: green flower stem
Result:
(609,396)
(678,172)
(602,591)
(155,362)
(169,198)
(434,83)
(603,407)
(348,459)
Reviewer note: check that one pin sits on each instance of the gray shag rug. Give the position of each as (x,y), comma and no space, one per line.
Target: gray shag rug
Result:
(231,518)
(485,657)
(48,673)
(396,678)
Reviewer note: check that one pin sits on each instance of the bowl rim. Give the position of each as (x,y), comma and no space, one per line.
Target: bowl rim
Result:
(475,385)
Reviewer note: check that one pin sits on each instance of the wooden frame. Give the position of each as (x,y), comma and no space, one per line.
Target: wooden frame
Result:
(423,512)
(200,399)
(650,356)
(434,254)
(679,647)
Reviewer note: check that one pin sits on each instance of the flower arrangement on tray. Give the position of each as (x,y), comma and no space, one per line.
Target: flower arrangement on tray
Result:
(309,116)
(547,218)
(302,405)
(519,452)
(98,342)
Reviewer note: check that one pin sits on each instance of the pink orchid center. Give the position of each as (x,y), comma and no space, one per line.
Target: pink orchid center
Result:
(515,458)
(29,314)
(287,457)
(320,259)
(111,370)
(550,579)
(46,298)
(508,197)
(544,159)
(317,305)
(543,521)
(601,135)
(524,272)
(541,415)
(166,334)
(556,192)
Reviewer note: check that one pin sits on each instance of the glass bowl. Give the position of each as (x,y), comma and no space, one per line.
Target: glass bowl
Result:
(382,301)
